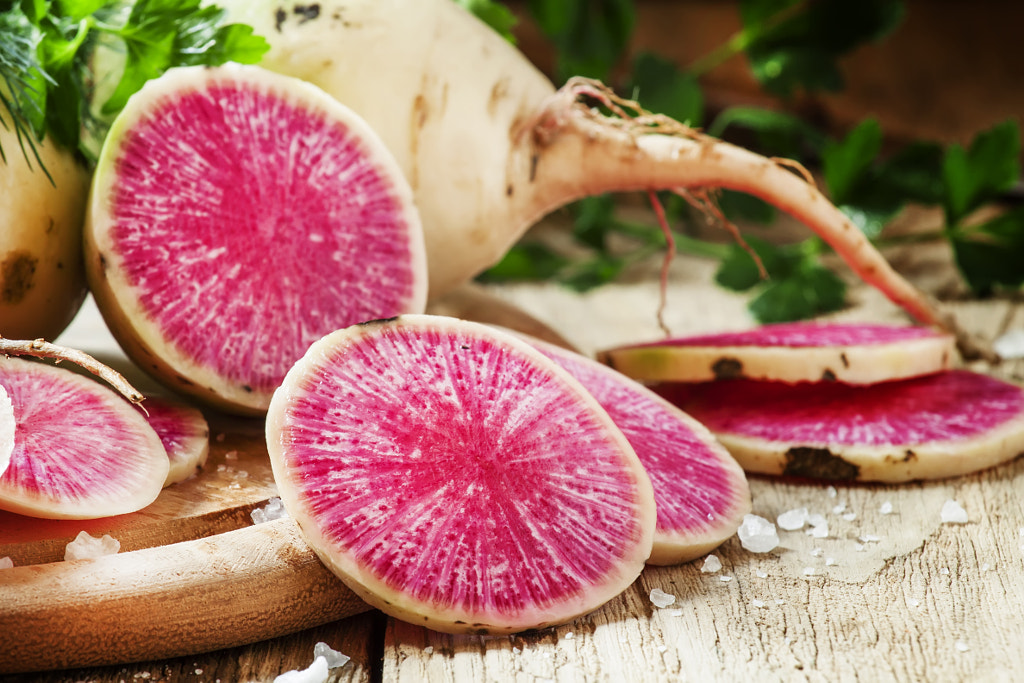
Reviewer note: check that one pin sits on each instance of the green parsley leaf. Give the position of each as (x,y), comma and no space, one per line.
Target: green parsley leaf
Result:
(990,166)
(590,36)
(525,261)
(992,255)
(808,292)
(583,276)
(494,14)
(847,162)
(660,86)
(778,133)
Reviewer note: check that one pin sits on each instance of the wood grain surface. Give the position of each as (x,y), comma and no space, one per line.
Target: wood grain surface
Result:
(891,594)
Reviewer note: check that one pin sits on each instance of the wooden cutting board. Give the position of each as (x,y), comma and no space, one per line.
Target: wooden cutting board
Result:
(194,574)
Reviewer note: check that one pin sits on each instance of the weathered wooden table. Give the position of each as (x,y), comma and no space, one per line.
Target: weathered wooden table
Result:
(897,596)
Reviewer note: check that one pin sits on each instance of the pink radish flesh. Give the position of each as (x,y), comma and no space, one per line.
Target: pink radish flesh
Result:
(184,433)
(457,478)
(700,492)
(791,352)
(928,427)
(237,217)
(81,450)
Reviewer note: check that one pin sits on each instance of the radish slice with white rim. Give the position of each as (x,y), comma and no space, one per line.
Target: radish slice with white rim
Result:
(8,427)
(455,478)
(184,433)
(237,216)
(700,491)
(791,352)
(81,452)
(941,425)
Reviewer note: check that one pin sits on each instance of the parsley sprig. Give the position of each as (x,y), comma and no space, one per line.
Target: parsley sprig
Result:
(46,56)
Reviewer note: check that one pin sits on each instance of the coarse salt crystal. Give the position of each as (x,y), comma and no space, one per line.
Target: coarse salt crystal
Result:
(839,509)
(953,513)
(663,649)
(677,612)
(1010,345)
(791,520)
(830,561)
(944,571)
(317,672)
(660,598)
(570,635)
(333,658)
(986,567)
(516,651)
(711,564)
(961,646)
(231,455)
(869,538)
(428,650)
(831,492)
(725,579)
(850,516)
(885,508)
(780,601)
(757,534)
(818,530)
(816,519)
(859,547)
(274,509)
(761,574)
(913,602)
(809,571)
(86,547)
(817,552)
(6,563)
(757,603)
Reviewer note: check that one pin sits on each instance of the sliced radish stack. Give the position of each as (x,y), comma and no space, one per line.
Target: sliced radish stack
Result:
(81,451)
(237,216)
(700,492)
(791,352)
(184,433)
(456,478)
(940,425)
(8,426)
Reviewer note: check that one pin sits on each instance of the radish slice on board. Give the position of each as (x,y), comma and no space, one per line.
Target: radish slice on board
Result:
(184,433)
(791,352)
(700,492)
(456,478)
(81,450)
(236,217)
(8,426)
(940,425)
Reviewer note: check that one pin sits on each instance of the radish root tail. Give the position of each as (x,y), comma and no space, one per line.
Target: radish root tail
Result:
(40,348)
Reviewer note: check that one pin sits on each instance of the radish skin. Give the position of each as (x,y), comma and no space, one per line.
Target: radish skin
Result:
(489,146)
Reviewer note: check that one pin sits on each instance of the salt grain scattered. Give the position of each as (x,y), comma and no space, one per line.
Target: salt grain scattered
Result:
(569,636)
(1010,345)
(913,602)
(231,455)
(809,571)
(333,657)
(757,603)
(869,538)
(832,492)
(274,509)
(675,612)
(953,513)
(885,508)
(986,567)
(6,563)
(839,509)
(817,552)
(944,571)
(663,649)
(711,564)
(660,598)
(86,547)
(780,601)
(791,520)
(761,574)
(830,561)
(516,651)
(428,650)
(757,534)
(961,646)
(316,673)
(725,579)
(818,530)
(850,516)
(859,547)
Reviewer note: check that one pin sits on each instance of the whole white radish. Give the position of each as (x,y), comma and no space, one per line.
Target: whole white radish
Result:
(489,146)
(42,279)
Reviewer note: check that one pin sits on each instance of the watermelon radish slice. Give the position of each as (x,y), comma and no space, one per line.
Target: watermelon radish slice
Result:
(237,216)
(81,451)
(184,433)
(456,478)
(7,429)
(941,425)
(791,352)
(700,492)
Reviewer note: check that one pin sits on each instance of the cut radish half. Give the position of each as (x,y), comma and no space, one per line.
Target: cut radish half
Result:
(791,352)
(237,216)
(941,425)
(7,428)
(81,450)
(184,433)
(700,492)
(456,478)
